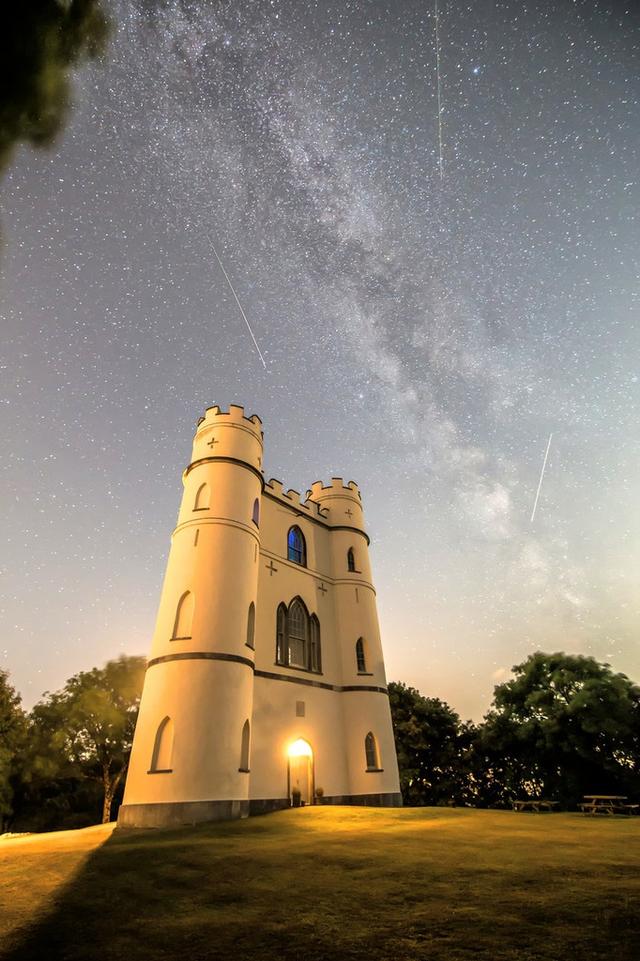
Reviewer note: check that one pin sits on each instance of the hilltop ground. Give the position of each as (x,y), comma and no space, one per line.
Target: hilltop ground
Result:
(330,884)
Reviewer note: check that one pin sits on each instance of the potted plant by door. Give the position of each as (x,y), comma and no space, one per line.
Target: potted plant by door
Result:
(295,797)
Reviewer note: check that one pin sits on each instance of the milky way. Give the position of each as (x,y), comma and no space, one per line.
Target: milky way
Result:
(423,335)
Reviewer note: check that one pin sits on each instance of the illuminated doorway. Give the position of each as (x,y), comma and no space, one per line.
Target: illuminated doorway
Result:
(301,770)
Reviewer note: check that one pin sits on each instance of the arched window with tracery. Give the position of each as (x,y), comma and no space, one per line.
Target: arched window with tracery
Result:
(203,498)
(251,626)
(255,517)
(361,658)
(296,547)
(161,758)
(371,752)
(244,748)
(351,560)
(184,618)
(298,637)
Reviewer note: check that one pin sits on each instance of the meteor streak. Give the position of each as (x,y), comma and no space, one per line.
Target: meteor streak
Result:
(437,19)
(244,316)
(544,464)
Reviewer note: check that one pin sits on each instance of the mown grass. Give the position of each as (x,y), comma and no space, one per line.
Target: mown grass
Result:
(323,884)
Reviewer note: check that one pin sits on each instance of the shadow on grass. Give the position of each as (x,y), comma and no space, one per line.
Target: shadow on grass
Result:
(287,887)
(192,893)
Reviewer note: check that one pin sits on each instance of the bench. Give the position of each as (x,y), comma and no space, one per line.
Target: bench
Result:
(607,804)
(534,804)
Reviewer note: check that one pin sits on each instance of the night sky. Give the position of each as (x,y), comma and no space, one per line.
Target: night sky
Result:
(422,335)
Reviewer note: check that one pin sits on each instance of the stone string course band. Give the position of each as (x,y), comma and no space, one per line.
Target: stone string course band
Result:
(215,656)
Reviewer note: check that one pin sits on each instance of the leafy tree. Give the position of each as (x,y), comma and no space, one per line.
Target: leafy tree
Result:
(566,725)
(12,739)
(40,43)
(433,747)
(86,729)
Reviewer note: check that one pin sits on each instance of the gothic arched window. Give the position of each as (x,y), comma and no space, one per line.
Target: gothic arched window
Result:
(298,637)
(371,752)
(244,748)
(251,625)
(203,498)
(255,517)
(315,663)
(296,547)
(184,618)
(162,748)
(281,635)
(351,560)
(361,660)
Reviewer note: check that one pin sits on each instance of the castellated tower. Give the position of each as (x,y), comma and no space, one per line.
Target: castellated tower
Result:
(265,684)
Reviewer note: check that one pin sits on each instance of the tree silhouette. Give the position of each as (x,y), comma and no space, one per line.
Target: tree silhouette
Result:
(40,43)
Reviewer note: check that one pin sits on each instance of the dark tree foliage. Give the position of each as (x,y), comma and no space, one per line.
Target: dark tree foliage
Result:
(12,742)
(80,742)
(41,41)
(565,726)
(433,748)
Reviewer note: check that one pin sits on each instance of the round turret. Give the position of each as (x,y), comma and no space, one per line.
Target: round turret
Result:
(191,753)
(340,503)
(228,434)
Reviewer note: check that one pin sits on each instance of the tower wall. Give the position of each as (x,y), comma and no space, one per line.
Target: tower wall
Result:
(356,617)
(205,684)
(200,672)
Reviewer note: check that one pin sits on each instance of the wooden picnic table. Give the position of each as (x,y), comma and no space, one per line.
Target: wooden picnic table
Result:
(607,804)
(534,804)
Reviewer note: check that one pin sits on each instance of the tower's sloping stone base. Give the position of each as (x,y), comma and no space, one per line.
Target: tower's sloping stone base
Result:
(177,813)
(181,813)
(365,800)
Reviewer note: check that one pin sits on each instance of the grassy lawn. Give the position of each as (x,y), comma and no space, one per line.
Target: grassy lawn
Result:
(330,884)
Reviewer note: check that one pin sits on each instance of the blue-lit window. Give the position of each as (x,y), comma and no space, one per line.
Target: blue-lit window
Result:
(296,547)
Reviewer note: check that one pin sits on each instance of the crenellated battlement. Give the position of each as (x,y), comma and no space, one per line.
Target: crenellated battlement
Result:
(228,435)
(235,415)
(337,487)
(294,499)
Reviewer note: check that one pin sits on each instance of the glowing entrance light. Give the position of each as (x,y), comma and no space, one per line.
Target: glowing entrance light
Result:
(300,748)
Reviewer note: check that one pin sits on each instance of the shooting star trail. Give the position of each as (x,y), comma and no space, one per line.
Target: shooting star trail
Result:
(544,464)
(244,316)
(439,90)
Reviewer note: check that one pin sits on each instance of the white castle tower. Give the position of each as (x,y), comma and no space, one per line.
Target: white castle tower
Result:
(266,681)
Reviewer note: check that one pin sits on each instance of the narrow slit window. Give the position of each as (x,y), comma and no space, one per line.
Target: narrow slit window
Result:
(244,747)
(351,560)
(361,660)
(251,625)
(255,516)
